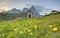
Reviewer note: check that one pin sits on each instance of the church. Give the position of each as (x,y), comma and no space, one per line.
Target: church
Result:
(29,13)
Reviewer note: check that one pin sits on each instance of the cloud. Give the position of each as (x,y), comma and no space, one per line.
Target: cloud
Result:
(4,5)
(4,8)
(4,1)
(0,11)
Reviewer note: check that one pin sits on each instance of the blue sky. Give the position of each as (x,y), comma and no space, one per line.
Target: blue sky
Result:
(20,4)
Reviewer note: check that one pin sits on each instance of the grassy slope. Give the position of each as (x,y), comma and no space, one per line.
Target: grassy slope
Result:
(31,27)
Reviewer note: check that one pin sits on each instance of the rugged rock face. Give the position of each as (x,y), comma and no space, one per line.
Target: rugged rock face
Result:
(35,13)
(14,10)
(25,10)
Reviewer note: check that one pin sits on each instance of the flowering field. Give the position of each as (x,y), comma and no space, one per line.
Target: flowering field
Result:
(42,27)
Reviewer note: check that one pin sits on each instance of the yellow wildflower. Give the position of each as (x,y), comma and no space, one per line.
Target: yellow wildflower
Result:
(3,34)
(31,33)
(24,28)
(15,29)
(50,26)
(55,29)
(34,20)
(29,22)
(35,26)
(29,30)
(21,32)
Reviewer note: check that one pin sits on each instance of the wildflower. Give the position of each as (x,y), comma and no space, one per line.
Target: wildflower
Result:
(34,20)
(3,34)
(15,29)
(50,26)
(29,22)
(55,29)
(26,28)
(35,26)
(31,33)
(21,32)
(29,30)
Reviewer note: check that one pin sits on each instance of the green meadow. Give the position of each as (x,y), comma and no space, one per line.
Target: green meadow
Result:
(40,27)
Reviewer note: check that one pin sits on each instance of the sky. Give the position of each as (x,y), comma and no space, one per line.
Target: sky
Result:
(20,4)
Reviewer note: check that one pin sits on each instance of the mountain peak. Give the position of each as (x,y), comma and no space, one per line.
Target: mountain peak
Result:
(14,10)
(35,12)
(32,6)
(25,10)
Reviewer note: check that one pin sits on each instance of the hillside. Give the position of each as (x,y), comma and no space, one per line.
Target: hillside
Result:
(10,16)
(42,27)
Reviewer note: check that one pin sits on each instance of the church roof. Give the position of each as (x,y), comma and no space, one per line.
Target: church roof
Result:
(29,11)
